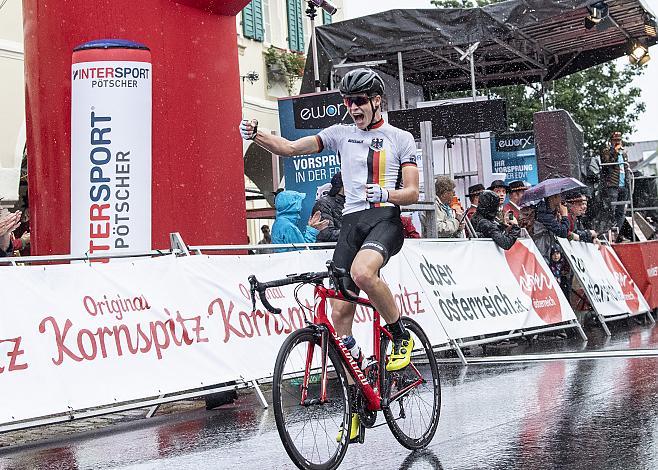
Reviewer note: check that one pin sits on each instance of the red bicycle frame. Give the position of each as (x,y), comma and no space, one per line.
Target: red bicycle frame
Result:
(371,392)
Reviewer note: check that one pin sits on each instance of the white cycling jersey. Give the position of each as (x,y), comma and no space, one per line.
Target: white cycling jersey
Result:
(374,156)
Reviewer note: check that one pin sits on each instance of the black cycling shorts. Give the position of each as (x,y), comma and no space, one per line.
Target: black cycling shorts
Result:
(378,229)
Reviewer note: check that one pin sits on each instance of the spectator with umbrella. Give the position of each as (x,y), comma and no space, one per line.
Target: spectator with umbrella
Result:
(550,212)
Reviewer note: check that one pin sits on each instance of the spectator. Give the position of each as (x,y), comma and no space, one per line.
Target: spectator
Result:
(266,240)
(514,193)
(331,210)
(487,225)
(288,211)
(8,223)
(267,237)
(473,195)
(614,178)
(577,206)
(551,216)
(500,188)
(560,269)
(447,225)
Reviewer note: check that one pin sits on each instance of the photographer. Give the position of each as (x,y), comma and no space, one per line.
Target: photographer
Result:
(614,178)
(488,226)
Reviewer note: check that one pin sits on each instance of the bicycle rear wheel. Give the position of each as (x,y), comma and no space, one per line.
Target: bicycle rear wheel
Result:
(309,430)
(414,392)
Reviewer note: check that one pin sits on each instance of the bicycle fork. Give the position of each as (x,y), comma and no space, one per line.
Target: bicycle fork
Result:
(324,354)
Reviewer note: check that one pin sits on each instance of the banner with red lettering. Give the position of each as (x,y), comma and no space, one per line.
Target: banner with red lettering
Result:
(103,334)
(609,288)
(98,334)
(477,288)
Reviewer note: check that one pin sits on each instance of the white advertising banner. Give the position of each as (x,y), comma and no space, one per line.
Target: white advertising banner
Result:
(110,151)
(608,286)
(99,334)
(476,288)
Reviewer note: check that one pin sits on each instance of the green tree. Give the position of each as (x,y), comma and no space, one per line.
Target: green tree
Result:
(600,99)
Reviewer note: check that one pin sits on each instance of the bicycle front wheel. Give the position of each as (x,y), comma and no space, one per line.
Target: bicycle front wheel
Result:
(414,392)
(310,426)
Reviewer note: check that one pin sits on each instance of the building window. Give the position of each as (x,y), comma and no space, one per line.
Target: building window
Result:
(252,20)
(295,26)
(267,23)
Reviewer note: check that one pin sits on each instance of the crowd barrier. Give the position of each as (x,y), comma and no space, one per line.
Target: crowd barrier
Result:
(641,261)
(103,335)
(609,288)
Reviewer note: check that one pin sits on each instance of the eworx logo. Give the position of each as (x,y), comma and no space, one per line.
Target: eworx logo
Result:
(522,142)
(324,111)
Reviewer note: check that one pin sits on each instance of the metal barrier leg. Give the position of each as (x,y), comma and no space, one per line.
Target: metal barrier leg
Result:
(603,325)
(154,408)
(580,329)
(651,319)
(460,354)
(259,392)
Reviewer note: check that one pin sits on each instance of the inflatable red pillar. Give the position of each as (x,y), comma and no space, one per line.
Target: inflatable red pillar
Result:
(197,166)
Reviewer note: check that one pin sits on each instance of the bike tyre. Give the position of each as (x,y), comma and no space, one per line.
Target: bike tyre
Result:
(413,442)
(296,338)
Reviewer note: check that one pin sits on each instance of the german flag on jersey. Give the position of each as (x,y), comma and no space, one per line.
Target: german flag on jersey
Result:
(377,167)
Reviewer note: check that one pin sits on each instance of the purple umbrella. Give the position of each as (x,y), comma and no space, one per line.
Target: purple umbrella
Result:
(550,187)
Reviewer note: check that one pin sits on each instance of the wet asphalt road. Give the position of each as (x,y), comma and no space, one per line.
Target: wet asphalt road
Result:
(570,414)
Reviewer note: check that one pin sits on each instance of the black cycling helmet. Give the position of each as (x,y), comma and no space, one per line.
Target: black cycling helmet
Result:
(488,205)
(359,81)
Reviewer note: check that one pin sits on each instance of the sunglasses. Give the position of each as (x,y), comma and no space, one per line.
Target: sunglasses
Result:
(357,100)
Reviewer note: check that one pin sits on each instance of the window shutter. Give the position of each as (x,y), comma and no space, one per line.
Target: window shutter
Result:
(326,17)
(248,21)
(295,26)
(258,20)
(252,20)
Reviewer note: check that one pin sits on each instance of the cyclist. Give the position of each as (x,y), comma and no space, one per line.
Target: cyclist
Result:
(378,164)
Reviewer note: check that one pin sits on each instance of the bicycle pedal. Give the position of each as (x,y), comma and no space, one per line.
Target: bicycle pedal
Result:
(362,435)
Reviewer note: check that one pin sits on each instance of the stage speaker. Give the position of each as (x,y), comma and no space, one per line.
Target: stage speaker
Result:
(559,144)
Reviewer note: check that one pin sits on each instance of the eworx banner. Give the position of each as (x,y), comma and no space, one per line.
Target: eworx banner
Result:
(608,286)
(477,288)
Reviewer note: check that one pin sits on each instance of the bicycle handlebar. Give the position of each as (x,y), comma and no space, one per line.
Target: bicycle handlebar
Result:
(332,272)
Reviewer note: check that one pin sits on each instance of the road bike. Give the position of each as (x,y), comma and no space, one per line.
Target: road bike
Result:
(312,399)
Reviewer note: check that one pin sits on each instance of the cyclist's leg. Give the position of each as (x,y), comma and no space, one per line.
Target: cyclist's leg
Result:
(342,316)
(348,245)
(384,240)
(365,273)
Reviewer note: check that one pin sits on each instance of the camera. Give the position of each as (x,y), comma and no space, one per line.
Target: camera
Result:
(325,5)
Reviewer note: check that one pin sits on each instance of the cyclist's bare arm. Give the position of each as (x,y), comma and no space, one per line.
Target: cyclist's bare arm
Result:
(409,192)
(279,145)
(286,148)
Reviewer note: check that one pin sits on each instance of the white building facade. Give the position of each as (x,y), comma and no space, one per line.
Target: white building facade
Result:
(12,99)
(283,25)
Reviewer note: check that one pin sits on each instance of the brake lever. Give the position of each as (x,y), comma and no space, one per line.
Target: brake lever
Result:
(255,286)
(253,283)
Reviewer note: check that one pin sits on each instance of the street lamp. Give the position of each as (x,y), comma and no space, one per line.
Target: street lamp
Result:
(252,77)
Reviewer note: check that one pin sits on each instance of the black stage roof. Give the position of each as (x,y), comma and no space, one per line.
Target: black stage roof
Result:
(520,41)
